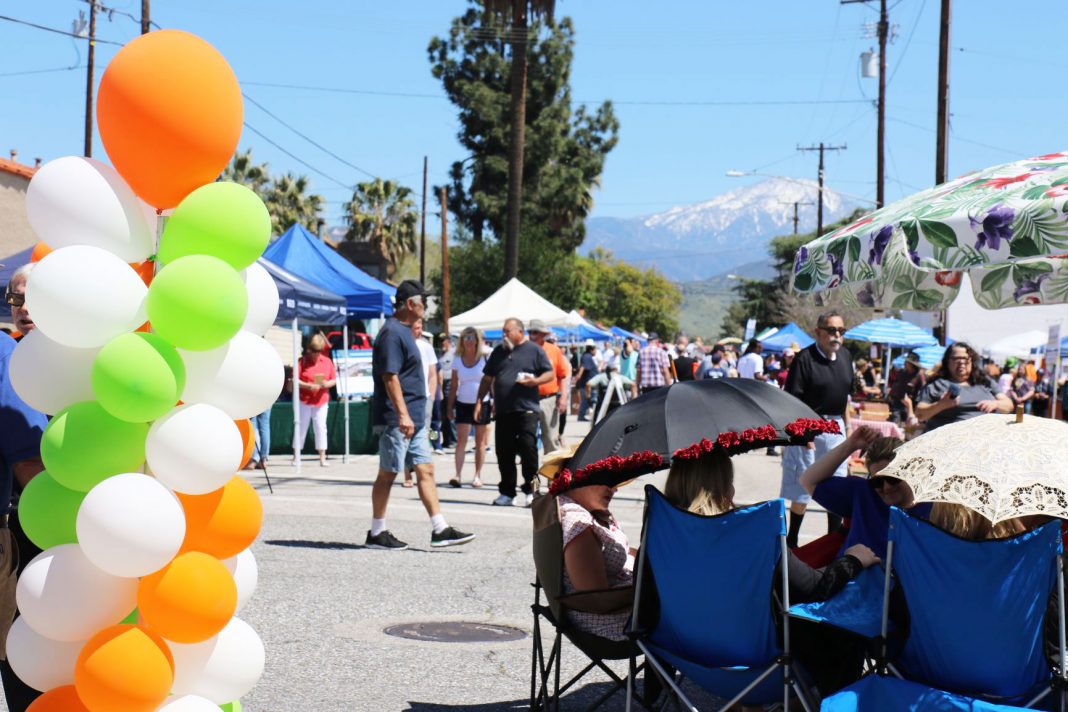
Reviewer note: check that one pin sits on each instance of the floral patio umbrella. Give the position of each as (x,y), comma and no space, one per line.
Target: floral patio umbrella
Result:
(1007,227)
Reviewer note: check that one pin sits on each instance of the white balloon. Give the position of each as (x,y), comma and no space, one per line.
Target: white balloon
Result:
(40,662)
(50,376)
(194,449)
(188,703)
(81,201)
(130,525)
(222,668)
(84,296)
(242,377)
(62,595)
(246,575)
(262,299)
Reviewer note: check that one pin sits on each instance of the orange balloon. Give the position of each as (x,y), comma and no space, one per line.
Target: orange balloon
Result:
(170,113)
(222,523)
(39,251)
(189,600)
(124,668)
(145,270)
(248,439)
(58,699)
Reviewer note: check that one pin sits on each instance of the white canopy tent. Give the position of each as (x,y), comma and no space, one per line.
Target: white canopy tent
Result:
(1018,345)
(514,299)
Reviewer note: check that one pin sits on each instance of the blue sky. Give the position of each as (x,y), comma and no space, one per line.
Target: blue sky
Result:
(1008,97)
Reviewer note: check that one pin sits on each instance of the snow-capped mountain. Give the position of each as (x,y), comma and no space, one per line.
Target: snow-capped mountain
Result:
(698,241)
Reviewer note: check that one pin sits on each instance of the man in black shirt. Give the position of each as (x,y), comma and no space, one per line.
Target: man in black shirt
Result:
(397,414)
(514,371)
(821,376)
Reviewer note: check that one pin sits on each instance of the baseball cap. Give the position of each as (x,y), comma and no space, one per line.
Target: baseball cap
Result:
(538,326)
(408,289)
(788,352)
(653,336)
(589,342)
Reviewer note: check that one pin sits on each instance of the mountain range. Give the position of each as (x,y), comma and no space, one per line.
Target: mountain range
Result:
(703,240)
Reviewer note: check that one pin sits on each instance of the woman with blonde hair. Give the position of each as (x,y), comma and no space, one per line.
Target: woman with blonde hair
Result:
(315,377)
(467,367)
(966,523)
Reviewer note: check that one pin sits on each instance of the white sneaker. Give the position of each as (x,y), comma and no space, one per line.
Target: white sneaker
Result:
(502,501)
(529,499)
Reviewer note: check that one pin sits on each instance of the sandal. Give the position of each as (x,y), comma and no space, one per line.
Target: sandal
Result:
(408,483)
(477,482)
(454,483)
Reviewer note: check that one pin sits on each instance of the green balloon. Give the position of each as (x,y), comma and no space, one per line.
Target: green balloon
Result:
(197,303)
(83,445)
(234,706)
(224,220)
(130,619)
(138,377)
(48,511)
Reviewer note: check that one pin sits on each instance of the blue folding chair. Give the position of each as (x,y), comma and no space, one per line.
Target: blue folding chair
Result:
(713,581)
(976,621)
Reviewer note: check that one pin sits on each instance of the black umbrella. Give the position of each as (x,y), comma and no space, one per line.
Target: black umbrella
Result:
(686,420)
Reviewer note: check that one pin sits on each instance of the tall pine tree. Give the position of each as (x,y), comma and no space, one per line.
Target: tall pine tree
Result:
(565,146)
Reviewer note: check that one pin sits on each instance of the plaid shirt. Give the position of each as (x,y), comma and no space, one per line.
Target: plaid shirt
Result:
(652,360)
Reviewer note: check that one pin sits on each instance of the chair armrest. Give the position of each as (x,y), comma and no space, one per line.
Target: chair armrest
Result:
(607,600)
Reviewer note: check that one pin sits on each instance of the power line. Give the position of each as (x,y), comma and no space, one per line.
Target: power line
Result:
(115,11)
(42,71)
(958,137)
(908,41)
(58,32)
(295,157)
(307,138)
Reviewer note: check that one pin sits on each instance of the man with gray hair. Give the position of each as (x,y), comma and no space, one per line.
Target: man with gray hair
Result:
(514,371)
(821,376)
(554,394)
(16,299)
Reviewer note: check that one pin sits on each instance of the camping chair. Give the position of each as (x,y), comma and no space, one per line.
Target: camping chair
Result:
(976,620)
(711,578)
(549,565)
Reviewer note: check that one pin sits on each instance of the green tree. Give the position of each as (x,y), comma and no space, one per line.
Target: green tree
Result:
(563,149)
(383,213)
(286,196)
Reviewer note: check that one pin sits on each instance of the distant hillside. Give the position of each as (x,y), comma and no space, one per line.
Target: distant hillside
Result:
(705,302)
(700,241)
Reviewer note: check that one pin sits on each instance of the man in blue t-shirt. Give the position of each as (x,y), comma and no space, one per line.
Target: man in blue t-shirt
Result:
(866,501)
(397,414)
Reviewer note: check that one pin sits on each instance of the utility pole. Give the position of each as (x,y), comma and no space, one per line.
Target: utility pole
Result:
(942,122)
(819,194)
(516,137)
(796,203)
(146,19)
(89,81)
(444,262)
(422,231)
(882,31)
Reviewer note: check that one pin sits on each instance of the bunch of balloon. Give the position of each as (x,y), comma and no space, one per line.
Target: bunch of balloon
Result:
(150,373)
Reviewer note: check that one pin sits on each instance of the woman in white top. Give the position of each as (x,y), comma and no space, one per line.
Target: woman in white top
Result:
(466,376)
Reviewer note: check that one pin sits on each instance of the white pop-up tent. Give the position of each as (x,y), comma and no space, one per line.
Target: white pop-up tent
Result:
(514,299)
(1019,345)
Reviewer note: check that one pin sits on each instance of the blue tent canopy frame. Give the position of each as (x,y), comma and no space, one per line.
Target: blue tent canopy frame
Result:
(784,337)
(306,256)
(300,299)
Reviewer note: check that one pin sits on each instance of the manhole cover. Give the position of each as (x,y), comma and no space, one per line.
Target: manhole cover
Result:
(456,632)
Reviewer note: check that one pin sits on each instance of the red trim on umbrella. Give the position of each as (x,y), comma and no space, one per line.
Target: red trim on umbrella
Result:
(730,441)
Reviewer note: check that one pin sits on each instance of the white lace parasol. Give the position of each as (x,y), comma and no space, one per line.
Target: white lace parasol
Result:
(991,463)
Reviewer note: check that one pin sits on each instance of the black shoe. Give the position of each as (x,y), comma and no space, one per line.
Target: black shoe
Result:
(450,536)
(385,540)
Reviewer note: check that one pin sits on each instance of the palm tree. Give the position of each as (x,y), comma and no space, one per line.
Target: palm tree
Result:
(515,12)
(383,213)
(289,203)
(242,170)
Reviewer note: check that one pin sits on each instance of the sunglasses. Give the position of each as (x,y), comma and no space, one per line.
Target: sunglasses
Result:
(15,300)
(833,330)
(880,481)
(470,338)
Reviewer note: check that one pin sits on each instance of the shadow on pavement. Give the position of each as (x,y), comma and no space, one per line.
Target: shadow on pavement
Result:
(577,699)
(308,544)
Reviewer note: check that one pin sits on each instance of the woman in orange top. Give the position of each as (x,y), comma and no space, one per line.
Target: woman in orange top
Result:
(316,376)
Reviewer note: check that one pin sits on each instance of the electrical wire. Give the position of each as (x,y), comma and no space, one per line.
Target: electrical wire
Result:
(42,71)
(115,11)
(295,157)
(307,138)
(58,32)
(908,41)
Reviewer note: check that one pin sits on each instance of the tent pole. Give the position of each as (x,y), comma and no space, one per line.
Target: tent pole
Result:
(296,395)
(345,385)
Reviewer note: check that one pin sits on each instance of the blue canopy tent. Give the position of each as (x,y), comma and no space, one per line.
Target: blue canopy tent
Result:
(305,255)
(624,334)
(929,356)
(588,331)
(12,263)
(784,337)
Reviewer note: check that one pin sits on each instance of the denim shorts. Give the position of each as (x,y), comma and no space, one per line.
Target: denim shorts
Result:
(397,453)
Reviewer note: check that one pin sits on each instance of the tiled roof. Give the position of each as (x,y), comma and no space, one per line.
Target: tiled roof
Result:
(16,168)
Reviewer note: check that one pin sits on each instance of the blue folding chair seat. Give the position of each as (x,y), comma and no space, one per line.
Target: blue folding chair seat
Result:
(713,579)
(889,694)
(976,615)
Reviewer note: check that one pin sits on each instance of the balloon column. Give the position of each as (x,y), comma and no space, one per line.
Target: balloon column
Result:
(150,373)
